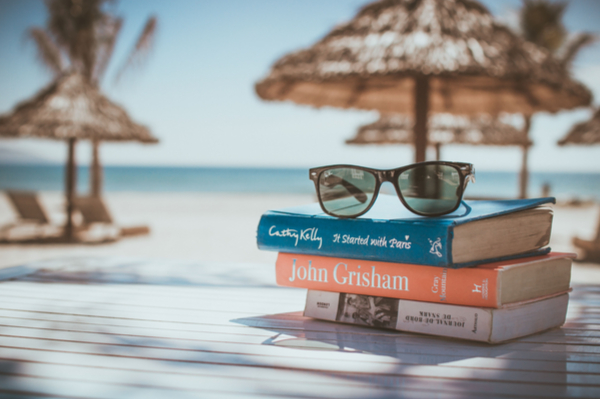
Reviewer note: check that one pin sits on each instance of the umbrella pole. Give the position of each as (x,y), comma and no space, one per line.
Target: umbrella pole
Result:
(95,171)
(523,179)
(421,111)
(71,179)
(524,176)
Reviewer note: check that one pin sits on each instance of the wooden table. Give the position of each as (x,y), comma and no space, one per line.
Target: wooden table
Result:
(131,328)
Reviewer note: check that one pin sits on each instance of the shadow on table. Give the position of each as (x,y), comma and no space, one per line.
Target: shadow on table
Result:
(313,334)
(114,270)
(487,367)
(8,370)
(394,364)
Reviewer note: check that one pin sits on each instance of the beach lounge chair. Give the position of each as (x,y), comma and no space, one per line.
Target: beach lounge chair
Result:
(591,248)
(32,224)
(27,206)
(94,212)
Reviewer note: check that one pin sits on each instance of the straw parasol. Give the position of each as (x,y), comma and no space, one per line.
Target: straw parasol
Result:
(444,129)
(447,129)
(421,56)
(585,133)
(71,109)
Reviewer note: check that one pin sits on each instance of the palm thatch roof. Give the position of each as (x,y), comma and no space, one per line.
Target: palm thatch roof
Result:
(473,64)
(584,133)
(71,108)
(443,129)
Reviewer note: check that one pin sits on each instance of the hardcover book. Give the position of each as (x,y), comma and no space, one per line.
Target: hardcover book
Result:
(484,230)
(464,322)
(490,285)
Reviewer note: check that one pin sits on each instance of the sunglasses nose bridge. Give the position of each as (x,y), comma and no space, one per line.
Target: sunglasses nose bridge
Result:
(385,175)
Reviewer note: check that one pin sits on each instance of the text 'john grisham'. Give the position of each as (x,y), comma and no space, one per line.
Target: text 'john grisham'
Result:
(312,234)
(343,276)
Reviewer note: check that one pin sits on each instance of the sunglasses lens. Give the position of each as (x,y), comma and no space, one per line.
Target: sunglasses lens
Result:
(346,191)
(431,189)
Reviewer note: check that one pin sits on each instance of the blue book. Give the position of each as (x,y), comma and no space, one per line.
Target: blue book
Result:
(483,231)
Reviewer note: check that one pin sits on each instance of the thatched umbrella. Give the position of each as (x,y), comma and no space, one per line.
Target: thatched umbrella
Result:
(421,56)
(71,109)
(584,133)
(446,129)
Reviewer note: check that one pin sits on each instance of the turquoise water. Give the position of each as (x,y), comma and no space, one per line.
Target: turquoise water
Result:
(269,180)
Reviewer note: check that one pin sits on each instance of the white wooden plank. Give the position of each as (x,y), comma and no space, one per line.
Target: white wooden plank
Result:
(247,345)
(150,298)
(232,328)
(68,388)
(313,327)
(276,324)
(157,325)
(340,362)
(264,377)
(154,292)
(397,341)
(50,317)
(131,308)
(190,321)
(132,292)
(178,383)
(205,298)
(162,273)
(53,388)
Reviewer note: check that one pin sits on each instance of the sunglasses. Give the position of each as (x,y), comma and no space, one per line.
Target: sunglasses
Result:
(427,188)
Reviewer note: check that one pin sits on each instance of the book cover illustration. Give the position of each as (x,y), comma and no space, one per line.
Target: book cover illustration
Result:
(367,310)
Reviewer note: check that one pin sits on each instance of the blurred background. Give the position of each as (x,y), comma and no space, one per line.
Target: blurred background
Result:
(187,70)
(196,90)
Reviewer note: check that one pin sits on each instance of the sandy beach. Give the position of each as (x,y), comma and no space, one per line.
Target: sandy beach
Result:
(219,227)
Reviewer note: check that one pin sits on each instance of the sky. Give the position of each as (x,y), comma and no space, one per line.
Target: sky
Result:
(196,92)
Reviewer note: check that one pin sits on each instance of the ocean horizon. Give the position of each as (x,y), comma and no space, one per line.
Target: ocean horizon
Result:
(500,184)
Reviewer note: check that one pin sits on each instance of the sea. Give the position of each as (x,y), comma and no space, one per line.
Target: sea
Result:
(489,184)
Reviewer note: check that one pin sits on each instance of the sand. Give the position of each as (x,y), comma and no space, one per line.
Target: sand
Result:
(219,227)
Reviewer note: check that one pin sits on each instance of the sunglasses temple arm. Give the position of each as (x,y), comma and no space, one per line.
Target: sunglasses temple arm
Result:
(351,188)
(355,191)
(468,178)
(467,207)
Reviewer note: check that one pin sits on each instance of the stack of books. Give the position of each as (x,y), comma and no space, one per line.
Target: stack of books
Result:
(483,274)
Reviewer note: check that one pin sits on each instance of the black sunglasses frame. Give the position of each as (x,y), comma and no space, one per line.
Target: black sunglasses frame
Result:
(466,172)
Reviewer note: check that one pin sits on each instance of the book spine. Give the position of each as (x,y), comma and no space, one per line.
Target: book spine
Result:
(470,286)
(463,322)
(414,242)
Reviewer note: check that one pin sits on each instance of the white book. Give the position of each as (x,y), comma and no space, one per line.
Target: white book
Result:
(465,322)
